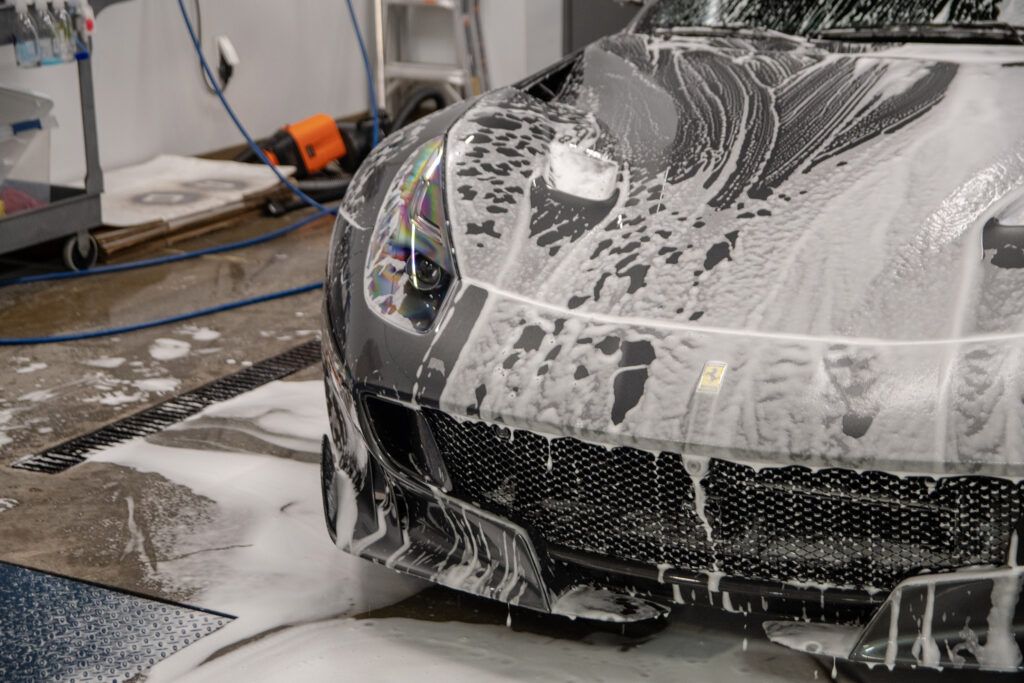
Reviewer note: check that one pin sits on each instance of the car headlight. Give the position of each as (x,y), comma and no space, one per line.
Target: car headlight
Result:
(409,268)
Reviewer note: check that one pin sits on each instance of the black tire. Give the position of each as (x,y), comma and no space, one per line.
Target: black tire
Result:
(74,259)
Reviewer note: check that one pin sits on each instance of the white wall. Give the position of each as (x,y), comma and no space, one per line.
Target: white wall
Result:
(543,34)
(298,57)
(521,37)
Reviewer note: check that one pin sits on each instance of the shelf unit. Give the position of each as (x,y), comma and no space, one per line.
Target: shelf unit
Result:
(394,30)
(72,212)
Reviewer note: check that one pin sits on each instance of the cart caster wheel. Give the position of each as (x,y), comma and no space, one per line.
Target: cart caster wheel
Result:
(81,253)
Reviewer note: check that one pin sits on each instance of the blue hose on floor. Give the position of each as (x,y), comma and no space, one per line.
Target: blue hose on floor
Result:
(110,332)
(162,260)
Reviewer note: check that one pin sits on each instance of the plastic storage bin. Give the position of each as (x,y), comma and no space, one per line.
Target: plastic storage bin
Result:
(25,124)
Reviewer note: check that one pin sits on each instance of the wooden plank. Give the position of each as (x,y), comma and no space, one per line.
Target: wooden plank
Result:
(115,240)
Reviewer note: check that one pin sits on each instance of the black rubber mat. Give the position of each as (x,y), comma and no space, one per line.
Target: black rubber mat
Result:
(163,415)
(57,629)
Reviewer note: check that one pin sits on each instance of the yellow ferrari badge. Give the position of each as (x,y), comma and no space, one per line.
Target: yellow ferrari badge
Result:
(712,377)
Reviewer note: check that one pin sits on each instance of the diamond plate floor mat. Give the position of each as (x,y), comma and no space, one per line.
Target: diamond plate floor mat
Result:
(57,629)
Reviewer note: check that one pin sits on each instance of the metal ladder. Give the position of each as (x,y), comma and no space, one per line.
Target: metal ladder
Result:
(393,30)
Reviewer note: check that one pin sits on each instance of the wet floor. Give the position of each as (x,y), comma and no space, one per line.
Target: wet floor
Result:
(53,393)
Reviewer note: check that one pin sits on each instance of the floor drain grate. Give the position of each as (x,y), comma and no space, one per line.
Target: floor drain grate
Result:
(163,415)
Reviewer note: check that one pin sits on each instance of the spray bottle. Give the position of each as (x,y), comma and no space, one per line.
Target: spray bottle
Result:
(85,19)
(26,37)
(65,40)
(46,27)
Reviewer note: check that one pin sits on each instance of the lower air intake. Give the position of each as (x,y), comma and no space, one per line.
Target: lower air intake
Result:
(790,524)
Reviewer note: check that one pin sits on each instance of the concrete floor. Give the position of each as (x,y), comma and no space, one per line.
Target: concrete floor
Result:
(223,511)
(53,393)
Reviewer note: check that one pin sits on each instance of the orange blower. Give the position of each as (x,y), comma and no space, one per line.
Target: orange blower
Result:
(324,153)
(313,144)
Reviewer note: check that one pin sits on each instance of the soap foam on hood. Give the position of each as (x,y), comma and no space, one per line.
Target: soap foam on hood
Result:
(769,189)
(798,214)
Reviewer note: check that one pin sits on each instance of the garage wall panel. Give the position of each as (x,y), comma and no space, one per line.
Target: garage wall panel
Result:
(298,57)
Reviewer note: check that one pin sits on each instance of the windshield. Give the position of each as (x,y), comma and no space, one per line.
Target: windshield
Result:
(809,17)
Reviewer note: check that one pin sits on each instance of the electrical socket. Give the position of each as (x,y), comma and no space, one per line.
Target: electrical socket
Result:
(229,59)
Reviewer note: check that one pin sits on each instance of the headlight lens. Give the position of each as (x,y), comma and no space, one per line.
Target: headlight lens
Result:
(409,269)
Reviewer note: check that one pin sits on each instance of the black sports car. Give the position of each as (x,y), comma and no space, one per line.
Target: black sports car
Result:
(726,308)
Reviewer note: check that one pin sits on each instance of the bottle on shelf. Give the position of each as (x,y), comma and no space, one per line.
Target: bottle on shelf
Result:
(46,27)
(26,37)
(65,39)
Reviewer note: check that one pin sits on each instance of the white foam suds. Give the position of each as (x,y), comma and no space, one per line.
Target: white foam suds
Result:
(106,362)
(1001,651)
(818,639)
(136,543)
(581,172)
(157,385)
(169,349)
(116,398)
(32,367)
(1012,12)
(38,396)
(286,419)
(6,415)
(943,16)
(925,649)
(199,334)
(699,500)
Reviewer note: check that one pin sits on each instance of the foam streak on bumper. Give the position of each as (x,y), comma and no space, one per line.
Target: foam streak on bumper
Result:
(972,619)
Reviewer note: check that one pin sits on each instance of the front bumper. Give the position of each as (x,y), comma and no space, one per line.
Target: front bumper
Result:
(375,511)
(378,511)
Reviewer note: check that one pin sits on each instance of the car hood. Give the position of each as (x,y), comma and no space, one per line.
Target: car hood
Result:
(772,186)
(815,224)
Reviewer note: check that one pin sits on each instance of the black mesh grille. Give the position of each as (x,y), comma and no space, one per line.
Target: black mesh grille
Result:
(792,524)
